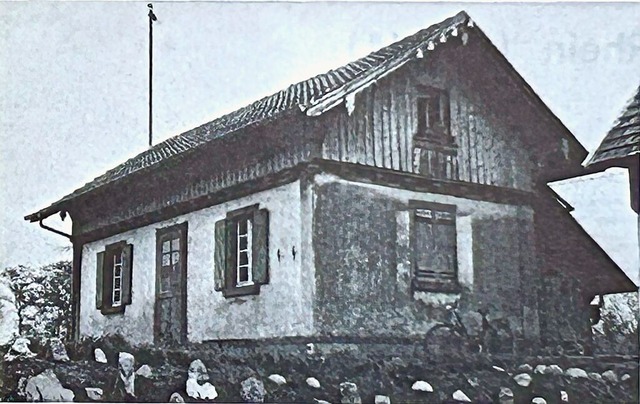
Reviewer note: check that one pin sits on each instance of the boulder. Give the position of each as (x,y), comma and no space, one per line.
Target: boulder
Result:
(252,390)
(94,393)
(505,396)
(379,399)
(459,395)
(538,400)
(47,387)
(564,396)
(498,368)
(625,377)
(144,371)
(205,391)
(576,373)
(525,368)
(58,350)
(315,400)
(277,379)
(595,376)
(198,371)
(313,382)
(349,393)
(99,355)
(554,370)
(19,349)
(540,370)
(473,381)
(310,349)
(610,376)
(523,379)
(176,398)
(421,385)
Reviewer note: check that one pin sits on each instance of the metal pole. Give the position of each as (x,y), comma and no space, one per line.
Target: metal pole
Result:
(152,18)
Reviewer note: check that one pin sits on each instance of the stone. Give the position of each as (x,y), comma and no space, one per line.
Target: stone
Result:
(540,370)
(198,371)
(610,376)
(315,400)
(421,385)
(144,371)
(498,368)
(277,379)
(252,390)
(505,396)
(94,393)
(58,350)
(176,398)
(473,381)
(576,373)
(311,349)
(523,379)
(47,387)
(19,349)
(564,396)
(379,399)
(99,355)
(205,391)
(525,368)
(625,377)
(349,393)
(538,400)
(459,395)
(126,365)
(595,376)
(313,382)
(554,370)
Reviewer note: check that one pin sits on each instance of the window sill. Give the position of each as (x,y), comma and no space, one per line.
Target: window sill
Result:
(252,289)
(436,287)
(431,141)
(112,310)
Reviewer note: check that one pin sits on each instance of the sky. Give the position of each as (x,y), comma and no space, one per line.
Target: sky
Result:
(74,82)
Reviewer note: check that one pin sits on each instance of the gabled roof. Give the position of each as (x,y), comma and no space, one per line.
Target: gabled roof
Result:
(313,97)
(623,140)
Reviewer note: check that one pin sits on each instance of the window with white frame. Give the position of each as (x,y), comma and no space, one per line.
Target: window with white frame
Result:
(241,252)
(113,277)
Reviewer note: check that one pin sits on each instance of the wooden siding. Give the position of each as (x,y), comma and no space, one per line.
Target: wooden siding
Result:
(380,132)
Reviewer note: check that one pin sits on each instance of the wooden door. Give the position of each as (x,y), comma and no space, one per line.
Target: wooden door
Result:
(170,322)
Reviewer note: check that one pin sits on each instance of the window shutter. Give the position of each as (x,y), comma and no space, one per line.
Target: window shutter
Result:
(99,279)
(260,257)
(127,272)
(220,256)
(403,251)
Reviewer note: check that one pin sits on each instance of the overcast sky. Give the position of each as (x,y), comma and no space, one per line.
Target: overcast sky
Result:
(74,86)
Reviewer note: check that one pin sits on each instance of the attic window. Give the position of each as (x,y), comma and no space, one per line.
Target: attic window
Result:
(434,122)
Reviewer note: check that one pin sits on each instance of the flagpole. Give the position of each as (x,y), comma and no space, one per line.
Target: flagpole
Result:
(152,18)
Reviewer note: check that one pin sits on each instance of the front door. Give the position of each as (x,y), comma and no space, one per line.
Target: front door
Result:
(170,322)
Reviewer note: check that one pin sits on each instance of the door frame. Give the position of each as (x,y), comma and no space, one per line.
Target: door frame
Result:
(179,229)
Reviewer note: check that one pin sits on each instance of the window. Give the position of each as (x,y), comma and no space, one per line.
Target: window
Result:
(433,115)
(434,245)
(113,278)
(241,252)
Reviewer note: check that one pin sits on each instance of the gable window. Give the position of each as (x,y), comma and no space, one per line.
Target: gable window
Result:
(113,278)
(241,252)
(434,122)
(434,247)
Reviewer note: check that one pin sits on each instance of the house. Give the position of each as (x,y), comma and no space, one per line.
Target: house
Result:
(358,203)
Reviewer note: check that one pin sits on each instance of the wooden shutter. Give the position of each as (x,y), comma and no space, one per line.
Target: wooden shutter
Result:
(220,256)
(127,271)
(260,261)
(99,279)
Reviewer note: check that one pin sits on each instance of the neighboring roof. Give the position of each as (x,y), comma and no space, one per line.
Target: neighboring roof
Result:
(312,96)
(623,140)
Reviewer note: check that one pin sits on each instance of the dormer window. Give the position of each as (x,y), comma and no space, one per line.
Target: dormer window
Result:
(434,123)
